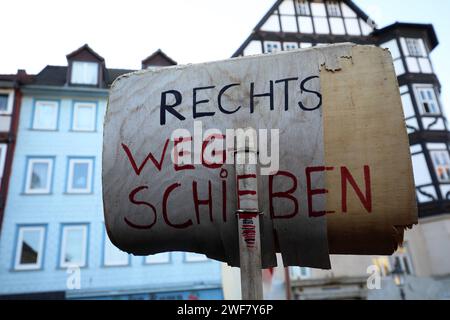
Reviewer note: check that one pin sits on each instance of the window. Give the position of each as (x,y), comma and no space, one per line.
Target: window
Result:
(321,25)
(414,47)
(334,9)
(114,257)
(30,244)
(3,150)
(80,175)
(303,8)
(45,115)
(271,46)
(298,273)
(3,102)
(84,116)
(290,46)
(159,258)
(427,100)
(441,163)
(6,102)
(73,246)
(38,178)
(195,257)
(84,73)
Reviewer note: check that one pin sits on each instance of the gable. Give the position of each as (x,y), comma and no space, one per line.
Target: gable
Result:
(293,20)
(158,59)
(85,53)
(316,16)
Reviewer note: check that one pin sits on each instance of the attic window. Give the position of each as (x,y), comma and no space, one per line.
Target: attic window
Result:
(303,7)
(334,9)
(84,73)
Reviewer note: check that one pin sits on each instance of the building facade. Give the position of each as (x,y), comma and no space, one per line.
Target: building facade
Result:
(54,242)
(423,260)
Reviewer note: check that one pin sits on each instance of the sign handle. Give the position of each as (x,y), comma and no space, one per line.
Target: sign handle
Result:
(248,215)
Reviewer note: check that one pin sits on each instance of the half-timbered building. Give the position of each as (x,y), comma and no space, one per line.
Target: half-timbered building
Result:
(293,24)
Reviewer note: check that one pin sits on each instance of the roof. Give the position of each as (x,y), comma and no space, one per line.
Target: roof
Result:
(11,80)
(158,58)
(57,76)
(361,14)
(87,49)
(432,37)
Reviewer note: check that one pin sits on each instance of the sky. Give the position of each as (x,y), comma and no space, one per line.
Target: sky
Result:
(36,33)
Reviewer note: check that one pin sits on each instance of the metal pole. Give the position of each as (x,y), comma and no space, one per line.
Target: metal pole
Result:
(248,222)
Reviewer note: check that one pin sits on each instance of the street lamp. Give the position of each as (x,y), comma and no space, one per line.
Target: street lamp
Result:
(399,278)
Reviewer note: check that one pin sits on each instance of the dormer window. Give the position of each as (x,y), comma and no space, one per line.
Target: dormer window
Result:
(85,73)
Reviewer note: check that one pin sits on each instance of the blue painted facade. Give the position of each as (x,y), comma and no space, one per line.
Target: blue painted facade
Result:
(177,279)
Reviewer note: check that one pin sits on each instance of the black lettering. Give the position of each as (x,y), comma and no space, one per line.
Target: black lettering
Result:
(219,99)
(253,96)
(170,108)
(302,88)
(286,90)
(195,103)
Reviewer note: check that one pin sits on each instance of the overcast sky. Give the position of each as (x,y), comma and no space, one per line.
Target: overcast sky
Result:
(36,33)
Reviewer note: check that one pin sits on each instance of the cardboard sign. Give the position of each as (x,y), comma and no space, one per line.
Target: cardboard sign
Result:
(340,181)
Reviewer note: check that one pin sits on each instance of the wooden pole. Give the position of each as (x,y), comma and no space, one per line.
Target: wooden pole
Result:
(248,222)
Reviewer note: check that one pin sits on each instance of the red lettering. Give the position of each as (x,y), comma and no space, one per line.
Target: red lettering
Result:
(198,203)
(212,165)
(367,200)
(224,200)
(244,192)
(132,199)
(181,153)
(283,194)
(150,156)
(165,213)
(312,192)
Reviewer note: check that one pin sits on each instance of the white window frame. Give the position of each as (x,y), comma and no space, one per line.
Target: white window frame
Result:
(334,9)
(83,64)
(3,152)
(31,162)
(420,101)
(72,162)
(19,247)
(294,46)
(112,263)
(303,8)
(66,228)
(272,43)
(36,106)
(445,167)
(415,44)
(76,107)
(160,258)
(195,257)
(10,103)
